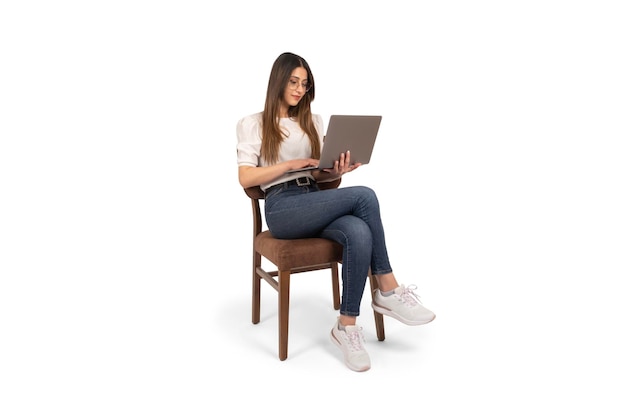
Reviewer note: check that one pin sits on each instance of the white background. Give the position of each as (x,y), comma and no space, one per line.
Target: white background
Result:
(125,236)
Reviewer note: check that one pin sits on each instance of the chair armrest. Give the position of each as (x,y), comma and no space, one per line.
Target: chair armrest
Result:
(255,192)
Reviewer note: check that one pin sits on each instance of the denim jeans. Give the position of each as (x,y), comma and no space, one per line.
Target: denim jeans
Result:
(349,216)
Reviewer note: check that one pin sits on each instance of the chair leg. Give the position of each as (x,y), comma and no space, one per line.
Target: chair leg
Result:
(256,289)
(335,277)
(378,318)
(283,313)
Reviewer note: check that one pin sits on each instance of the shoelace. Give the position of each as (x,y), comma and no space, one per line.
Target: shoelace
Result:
(355,340)
(409,297)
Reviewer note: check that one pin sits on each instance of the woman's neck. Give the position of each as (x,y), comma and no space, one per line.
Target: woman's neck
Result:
(283,112)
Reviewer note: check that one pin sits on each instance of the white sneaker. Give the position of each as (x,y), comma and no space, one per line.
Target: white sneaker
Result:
(403,305)
(352,345)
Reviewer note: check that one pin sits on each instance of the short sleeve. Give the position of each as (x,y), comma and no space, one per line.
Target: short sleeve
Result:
(249,141)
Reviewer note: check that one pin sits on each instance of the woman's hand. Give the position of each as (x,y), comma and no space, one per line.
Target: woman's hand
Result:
(342,165)
(301,163)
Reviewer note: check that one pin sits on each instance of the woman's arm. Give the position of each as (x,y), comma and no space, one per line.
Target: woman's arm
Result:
(251,176)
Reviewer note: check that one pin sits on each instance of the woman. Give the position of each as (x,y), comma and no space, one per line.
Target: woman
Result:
(287,136)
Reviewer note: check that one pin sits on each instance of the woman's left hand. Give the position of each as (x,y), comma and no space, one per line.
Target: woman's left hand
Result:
(342,165)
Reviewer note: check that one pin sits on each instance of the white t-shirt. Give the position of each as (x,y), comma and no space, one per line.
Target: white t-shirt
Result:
(295,146)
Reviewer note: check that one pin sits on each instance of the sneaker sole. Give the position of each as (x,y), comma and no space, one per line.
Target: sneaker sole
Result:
(390,313)
(345,360)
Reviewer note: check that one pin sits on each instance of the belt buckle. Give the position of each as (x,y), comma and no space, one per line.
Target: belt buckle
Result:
(303,181)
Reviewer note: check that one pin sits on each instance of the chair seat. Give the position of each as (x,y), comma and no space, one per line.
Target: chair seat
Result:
(296,253)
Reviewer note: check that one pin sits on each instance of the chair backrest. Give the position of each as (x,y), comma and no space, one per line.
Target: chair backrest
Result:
(256,193)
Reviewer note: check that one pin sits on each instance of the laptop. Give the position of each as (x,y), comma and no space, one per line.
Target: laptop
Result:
(356,134)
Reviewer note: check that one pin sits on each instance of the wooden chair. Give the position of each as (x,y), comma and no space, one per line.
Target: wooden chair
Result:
(291,256)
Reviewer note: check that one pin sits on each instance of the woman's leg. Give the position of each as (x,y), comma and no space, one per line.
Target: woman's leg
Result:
(296,213)
(350,216)
(356,238)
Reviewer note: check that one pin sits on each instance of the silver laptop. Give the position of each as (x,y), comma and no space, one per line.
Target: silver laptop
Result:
(356,134)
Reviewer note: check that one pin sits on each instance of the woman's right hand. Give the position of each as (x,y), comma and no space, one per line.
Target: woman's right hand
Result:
(301,163)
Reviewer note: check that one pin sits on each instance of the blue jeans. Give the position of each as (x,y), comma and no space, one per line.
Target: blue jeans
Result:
(349,216)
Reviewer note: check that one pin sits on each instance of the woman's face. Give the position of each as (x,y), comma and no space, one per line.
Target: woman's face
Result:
(296,87)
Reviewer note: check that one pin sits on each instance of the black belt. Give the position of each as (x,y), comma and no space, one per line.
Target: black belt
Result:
(300,182)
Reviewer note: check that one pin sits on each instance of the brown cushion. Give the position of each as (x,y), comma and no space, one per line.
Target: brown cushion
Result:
(295,253)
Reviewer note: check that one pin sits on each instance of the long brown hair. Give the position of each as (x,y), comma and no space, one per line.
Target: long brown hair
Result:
(273,136)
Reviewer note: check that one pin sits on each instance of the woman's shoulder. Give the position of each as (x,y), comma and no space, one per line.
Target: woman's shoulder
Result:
(249,127)
(251,119)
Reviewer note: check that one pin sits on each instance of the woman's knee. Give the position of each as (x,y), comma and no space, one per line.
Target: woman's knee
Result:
(367,197)
(351,230)
(365,191)
(358,233)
